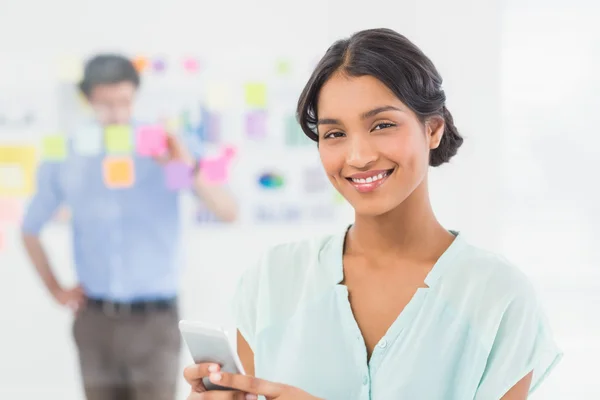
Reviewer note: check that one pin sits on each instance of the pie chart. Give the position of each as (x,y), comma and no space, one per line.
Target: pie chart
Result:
(270,181)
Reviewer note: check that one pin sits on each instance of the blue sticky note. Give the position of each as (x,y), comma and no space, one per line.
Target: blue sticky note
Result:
(87,140)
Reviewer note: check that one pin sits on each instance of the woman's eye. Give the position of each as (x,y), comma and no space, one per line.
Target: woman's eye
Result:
(383,125)
(332,135)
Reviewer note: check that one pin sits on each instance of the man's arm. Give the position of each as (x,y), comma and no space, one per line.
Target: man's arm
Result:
(41,209)
(217,199)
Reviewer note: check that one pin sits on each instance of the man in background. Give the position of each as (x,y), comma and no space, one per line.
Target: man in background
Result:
(126,250)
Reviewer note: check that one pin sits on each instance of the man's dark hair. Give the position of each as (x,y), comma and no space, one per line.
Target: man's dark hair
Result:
(398,64)
(106,69)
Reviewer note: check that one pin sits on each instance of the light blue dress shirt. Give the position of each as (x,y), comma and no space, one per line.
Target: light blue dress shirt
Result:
(472,334)
(125,241)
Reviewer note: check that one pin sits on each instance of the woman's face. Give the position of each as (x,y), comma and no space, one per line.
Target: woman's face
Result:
(374,149)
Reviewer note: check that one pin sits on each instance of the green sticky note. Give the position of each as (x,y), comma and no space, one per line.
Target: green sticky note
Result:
(294,136)
(256,95)
(54,147)
(118,139)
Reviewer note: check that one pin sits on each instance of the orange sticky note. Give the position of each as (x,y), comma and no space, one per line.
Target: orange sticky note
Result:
(118,172)
(140,63)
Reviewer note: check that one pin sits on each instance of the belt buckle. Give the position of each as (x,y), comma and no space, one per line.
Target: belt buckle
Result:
(115,310)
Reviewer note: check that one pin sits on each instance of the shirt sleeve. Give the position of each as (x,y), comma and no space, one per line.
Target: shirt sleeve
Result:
(47,199)
(245,305)
(523,343)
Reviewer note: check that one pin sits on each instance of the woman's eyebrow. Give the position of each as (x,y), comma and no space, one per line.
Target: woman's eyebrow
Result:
(366,115)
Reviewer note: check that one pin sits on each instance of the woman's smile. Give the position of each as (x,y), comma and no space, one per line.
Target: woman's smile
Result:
(368,181)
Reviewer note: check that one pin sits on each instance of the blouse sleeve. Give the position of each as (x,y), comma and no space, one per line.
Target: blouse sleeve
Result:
(523,343)
(245,302)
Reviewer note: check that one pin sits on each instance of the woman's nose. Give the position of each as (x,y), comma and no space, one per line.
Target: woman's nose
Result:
(361,152)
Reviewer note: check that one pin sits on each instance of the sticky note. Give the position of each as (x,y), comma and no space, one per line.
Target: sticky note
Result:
(70,69)
(283,67)
(118,139)
(159,65)
(294,136)
(338,198)
(256,95)
(218,96)
(215,170)
(140,63)
(11,211)
(256,125)
(17,170)
(151,140)
(87,140)
(173,125)
(191,65)
(213,127)
(315,180)
(54,147)
(118,172)
(178,176)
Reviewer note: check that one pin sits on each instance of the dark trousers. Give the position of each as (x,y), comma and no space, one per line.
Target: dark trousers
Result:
(132,356)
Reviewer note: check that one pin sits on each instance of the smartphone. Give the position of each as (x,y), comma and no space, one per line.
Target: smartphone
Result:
(209,344)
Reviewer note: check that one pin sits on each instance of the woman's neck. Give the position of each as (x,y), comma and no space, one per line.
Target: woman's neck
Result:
(410,231)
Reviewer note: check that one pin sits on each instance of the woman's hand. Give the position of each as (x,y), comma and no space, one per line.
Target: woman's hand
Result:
(243,387)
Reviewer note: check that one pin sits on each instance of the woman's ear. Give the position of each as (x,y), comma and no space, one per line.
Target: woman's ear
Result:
(434,128)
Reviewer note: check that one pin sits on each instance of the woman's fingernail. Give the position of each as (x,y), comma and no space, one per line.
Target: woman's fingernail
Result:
(213,368)
(251,397)
(215,377)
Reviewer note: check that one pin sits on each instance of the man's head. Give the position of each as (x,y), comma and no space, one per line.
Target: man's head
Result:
(110,83)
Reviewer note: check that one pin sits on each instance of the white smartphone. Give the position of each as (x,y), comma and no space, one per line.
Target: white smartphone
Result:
(209,344)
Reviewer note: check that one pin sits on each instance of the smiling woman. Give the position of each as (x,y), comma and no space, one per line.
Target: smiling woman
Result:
(394,306)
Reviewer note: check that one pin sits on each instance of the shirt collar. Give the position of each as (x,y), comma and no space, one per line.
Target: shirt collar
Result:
(331,257)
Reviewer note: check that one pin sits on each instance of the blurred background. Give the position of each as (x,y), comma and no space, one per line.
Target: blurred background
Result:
(521,80)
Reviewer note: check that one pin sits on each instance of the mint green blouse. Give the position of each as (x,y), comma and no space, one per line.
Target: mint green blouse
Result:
(472,334)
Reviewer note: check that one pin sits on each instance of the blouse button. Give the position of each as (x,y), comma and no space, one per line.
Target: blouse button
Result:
(365,380)
(383,343)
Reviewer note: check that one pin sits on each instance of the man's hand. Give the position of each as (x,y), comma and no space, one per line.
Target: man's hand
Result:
(73,299)
(176,151)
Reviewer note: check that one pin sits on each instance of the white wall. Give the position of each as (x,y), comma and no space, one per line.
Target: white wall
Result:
(463,37)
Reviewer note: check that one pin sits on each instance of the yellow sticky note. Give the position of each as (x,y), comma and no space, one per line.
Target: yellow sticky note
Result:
(118,172)
(218,96)
(70,69)
(54,147)
(256,95)
(173,126)
(17,170)
(118,139)
(283,67)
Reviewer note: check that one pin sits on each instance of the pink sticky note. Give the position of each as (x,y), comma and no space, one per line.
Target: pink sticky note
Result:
(11,211)
(256,124)
(191,64)
(216,170)
(178,176)
(151,140)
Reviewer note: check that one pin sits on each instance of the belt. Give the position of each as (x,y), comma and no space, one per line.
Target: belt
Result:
(137,307)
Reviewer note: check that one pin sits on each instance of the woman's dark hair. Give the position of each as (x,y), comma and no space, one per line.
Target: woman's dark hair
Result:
(400,65)
(106,69)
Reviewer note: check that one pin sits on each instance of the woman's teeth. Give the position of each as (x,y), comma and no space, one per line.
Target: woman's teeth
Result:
(370,179)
